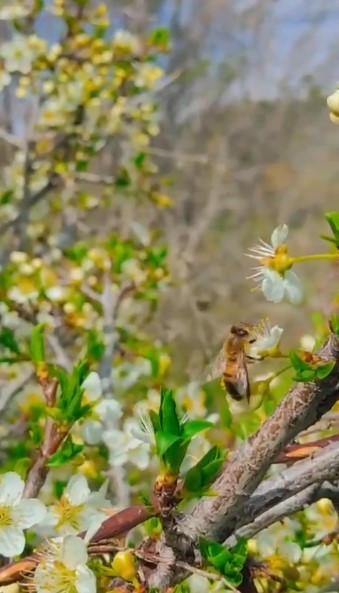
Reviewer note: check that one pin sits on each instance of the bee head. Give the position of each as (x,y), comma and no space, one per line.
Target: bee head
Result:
(239,331)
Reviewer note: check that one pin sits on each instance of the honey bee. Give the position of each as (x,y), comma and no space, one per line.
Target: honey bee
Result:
(231,362)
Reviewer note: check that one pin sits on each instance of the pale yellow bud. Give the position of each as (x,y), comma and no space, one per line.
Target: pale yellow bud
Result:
(123,565)
(333,102)
(334,118)
(325,506)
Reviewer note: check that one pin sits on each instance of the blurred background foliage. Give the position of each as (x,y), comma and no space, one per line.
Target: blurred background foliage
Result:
(145,145)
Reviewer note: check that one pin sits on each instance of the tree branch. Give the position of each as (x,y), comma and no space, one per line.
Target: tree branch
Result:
(217,517)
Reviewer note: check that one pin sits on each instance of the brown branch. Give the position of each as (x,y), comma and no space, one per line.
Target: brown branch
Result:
(53,438)
(303,406)
(217,517)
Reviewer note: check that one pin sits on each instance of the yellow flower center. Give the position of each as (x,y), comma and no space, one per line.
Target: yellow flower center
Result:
(59,577)
(5,516)
(280,262)
(69,514)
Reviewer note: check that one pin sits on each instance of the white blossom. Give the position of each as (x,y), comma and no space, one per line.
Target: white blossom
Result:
(16,514)
(78,509)
(62,568)
(14,11)
(124,447)
(276,284)
(17,55)
(106,411)
(266,339)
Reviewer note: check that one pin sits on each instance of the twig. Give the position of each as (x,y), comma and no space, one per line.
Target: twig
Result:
(11,139)
(13,388)
(280,511)
(53,438)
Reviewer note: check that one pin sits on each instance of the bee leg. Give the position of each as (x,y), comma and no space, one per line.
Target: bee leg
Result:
(254,358)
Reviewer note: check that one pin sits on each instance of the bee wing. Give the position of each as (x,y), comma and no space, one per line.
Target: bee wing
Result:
(216,367)
(241,382)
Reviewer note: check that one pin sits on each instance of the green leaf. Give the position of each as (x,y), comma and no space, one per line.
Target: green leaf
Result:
(168,415)
(333,220)
(154,417)
(71,392)
(193,427)
(297,362)
(240,551)
(324,370)
(305,376)
(37,344)
(229,563)
(139,160)
(8,340)
(160,37)
(68,452)
(203,474)
(95,345)
(175,455)
(334,324)
(164,441)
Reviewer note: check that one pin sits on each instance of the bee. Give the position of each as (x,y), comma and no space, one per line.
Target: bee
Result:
(231,362)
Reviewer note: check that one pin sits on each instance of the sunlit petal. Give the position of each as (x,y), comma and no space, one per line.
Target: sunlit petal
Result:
(293,288)
(74,551)
(273,286)
(279,235)
(92,386)
(12,541)
(11,488)
(28,512)
(85,582)
(77,490)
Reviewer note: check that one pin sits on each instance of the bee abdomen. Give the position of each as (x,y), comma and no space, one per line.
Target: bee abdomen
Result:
(231,386)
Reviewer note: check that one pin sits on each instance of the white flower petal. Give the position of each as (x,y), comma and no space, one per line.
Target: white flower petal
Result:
(91,519)
(28,512)
(92,386)
(291,551)
(137,432)
(92,432)
(74,551)
(273,286)
(99,498)
(85,581)
(77,490)
(109,410)
(12,541)
(279,235)
(293,288)
(11,488)
(267,341)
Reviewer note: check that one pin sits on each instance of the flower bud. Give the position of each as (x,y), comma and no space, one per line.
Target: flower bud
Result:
(333,102)
(123,565)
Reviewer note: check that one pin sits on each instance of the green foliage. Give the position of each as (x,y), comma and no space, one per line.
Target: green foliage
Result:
(9,341)
(37,345)
(229,563)
(71,392)
(334,324)
(333,220)
(199,478)
(310,370)
(67,453)
(172,434)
